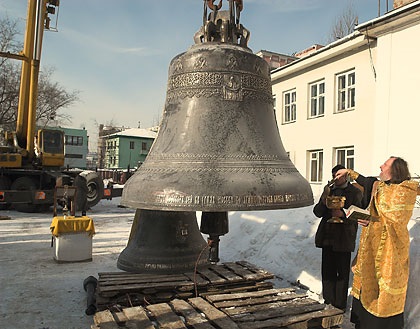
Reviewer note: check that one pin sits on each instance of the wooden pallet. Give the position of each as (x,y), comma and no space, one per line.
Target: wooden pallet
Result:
(270,308)
(123,289)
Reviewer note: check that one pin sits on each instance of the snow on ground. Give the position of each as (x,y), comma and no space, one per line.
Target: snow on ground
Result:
(282,242)
(39,293)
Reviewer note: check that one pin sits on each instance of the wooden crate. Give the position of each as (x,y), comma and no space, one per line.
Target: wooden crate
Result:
(270,308)
(123,289)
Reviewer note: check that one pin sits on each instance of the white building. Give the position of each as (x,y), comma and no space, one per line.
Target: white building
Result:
(354,101)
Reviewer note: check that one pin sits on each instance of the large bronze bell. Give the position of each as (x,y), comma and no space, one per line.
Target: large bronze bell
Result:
(218,148)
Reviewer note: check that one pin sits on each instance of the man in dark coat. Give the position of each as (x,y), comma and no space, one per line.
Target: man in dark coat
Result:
(337,240)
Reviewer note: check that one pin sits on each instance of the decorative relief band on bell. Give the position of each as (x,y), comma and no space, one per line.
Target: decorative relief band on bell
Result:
(220,201)
(220,169)
(185,162)
(205,157)
(226,85)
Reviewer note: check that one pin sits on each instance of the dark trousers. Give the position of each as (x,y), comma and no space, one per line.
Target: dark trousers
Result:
(364,320)
(335,272)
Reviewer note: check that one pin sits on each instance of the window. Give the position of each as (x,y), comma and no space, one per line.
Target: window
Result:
(74,140)
(131,145)
(52,141)
(345,156)
(144,146)
(346,91)
(74,156)
(315,165)
(289,101)
(317,99)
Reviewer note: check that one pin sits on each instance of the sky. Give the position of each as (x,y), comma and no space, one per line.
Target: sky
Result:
(116,53)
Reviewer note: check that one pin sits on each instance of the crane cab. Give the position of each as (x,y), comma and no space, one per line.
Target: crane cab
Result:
(49,147)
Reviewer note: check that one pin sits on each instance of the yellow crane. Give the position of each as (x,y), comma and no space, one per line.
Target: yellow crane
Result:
(32,160)
(25,146)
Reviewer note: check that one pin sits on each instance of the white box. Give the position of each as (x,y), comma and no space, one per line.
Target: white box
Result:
(73,247)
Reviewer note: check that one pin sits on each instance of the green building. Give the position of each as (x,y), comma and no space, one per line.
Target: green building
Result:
(128,148)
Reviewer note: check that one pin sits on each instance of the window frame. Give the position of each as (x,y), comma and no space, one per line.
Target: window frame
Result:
(73,140)
(345,94)
(319,161)
(348,155)
(289,106)
(319,99)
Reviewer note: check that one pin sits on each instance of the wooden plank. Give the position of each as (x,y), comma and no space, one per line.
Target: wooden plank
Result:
(240,288)
(211,276)
(130,274)
(197,278)
(105,320)
(226,273)
(273,310)
(165,317)
(122,288)
(328,318)
(137,318)
(256,301)
(284,321)
(265,284)
(118,279)
(213,314)
(242,271)
(116,284)
(192,317)
(260,293)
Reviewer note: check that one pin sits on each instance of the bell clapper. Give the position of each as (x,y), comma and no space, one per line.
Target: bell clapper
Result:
(214,224)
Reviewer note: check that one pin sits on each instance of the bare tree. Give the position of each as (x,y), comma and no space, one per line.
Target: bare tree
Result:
(9,94)
(344,24)
(8,33)
(52,98)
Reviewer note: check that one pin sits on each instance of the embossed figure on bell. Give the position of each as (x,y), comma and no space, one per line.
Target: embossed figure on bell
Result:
(218,147)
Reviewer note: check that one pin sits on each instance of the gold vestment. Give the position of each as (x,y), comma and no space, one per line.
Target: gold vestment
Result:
(382,263)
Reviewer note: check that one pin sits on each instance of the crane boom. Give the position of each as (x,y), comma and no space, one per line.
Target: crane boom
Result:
(26,120)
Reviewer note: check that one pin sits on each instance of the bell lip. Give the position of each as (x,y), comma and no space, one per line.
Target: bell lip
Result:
(242,207)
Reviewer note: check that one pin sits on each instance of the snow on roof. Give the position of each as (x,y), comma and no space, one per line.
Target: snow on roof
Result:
(136,132)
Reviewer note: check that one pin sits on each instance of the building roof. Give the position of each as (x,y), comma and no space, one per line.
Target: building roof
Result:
(407,12)
(358,37)
(135,132)
(267,52)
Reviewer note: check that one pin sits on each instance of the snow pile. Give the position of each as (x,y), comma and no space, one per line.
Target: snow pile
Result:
(282,242)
